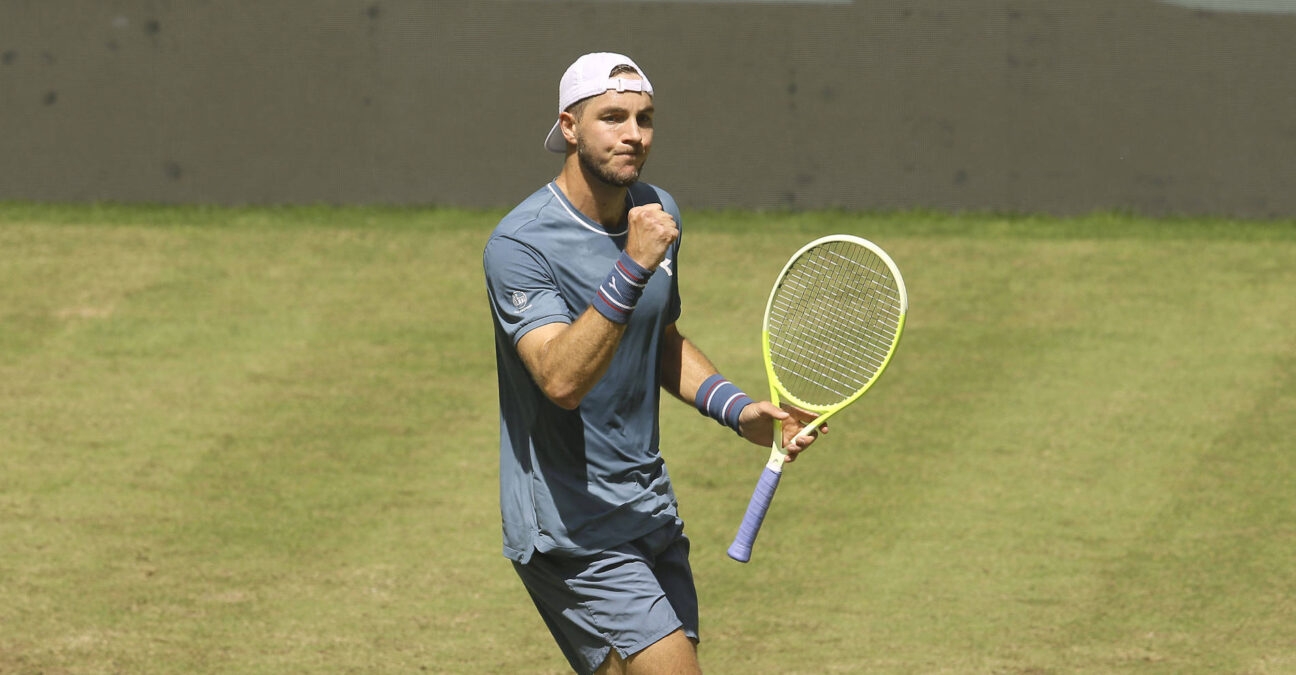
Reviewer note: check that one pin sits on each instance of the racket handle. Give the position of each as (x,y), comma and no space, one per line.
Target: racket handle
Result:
(741,548)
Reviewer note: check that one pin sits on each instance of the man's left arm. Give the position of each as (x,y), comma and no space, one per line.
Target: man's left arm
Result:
(684,368)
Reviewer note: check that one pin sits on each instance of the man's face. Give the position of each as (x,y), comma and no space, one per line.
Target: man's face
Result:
(613,136)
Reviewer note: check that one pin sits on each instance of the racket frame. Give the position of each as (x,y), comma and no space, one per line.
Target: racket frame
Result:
(740,550)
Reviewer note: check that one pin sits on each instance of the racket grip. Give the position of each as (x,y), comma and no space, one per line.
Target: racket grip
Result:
(741,548)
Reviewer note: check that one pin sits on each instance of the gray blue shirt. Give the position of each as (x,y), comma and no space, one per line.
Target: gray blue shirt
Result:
(575,482)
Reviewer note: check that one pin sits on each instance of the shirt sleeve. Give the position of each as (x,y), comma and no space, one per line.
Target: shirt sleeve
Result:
(675,308)
(521,288)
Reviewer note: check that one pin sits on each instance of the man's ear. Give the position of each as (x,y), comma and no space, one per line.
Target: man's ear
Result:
(567,124)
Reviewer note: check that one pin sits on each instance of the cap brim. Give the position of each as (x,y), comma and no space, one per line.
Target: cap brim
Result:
(555,141)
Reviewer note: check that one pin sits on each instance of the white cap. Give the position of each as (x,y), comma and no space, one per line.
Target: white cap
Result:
(589,76)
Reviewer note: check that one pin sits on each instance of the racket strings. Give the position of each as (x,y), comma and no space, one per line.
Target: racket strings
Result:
(833,322)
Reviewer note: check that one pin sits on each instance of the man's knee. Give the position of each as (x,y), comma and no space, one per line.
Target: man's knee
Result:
(675,653)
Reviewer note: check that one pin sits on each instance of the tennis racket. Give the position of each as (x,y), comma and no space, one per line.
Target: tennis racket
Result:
(832,323)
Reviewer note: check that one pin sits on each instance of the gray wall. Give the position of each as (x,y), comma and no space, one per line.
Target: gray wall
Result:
(1007,105)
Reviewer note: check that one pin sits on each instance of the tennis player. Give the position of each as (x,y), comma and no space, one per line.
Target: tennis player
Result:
(583,279)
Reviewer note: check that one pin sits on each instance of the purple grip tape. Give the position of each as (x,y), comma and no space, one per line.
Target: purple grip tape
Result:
(741,548)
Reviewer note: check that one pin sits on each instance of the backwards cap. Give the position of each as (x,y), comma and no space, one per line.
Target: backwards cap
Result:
(589,76)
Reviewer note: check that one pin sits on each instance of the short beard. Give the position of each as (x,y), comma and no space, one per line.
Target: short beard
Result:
(601,173)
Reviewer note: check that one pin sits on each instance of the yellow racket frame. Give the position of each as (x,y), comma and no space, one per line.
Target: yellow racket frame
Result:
(779,393)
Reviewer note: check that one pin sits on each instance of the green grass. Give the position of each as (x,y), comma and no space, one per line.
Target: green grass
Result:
(264,441)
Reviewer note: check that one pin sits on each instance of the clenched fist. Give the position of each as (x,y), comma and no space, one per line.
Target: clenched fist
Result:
(651,232)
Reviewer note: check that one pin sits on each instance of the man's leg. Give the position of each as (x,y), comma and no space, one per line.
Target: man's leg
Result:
(637,598)
(674,654)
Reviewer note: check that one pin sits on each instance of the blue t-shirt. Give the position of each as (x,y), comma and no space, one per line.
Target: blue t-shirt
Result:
(575,482)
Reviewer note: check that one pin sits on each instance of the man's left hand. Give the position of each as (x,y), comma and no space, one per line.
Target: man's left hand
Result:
(757,425)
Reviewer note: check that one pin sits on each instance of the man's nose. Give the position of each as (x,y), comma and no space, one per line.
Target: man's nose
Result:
(634,133)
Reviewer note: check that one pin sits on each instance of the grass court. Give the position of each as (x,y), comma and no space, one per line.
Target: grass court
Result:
(264,440)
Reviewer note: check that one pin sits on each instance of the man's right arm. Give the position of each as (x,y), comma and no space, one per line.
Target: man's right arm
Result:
(567,360)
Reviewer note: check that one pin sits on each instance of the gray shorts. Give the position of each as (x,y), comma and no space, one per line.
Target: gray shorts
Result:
(625,598)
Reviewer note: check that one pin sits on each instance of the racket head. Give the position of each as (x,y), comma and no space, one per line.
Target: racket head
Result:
(832,323)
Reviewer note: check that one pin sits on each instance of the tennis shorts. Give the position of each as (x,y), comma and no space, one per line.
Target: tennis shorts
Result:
(625,598)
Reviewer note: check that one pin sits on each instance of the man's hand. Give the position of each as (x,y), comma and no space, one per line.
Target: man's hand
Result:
(651,233)
(757,425)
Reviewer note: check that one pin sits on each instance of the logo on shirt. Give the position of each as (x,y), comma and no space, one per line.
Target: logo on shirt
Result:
(519,300)
(665,264)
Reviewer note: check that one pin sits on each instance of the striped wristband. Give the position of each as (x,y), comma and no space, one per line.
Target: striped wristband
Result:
(620,291)
(722,401)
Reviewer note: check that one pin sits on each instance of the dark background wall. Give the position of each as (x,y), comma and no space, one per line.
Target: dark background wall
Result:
(1009,105)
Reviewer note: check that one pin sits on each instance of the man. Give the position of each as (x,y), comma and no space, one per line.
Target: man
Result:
(583,283)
